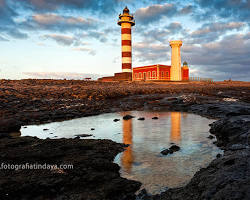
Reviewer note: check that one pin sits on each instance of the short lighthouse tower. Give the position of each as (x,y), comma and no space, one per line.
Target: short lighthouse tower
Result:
(126,21)
(175,74)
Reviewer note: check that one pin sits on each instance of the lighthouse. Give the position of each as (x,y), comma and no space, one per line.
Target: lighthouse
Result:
(175,74)
(156,72)
(185,71)
(126,21)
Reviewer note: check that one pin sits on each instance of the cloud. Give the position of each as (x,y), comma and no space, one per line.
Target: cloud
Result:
(222,58)
(145,52)
(3,39)
(55,22)
(155,12)
(6,14)
(218,27)
(90,51)
(105,7)
(15,33)
(152,36)
(212,31)
(174,27)
(15,25)
(101,36)
(7,24)
(61,75)
(220,52)
(64,40)
(227,9)
(187,10)
(164,34)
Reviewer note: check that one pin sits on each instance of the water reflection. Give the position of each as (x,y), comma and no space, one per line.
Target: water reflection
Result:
(127,157)
(175,135)
(142,160)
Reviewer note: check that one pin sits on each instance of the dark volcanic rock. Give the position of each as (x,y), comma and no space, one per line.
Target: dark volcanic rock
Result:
(3,135)
(93,175)
(84,135)
(127,117)
(155,118)
(116,120)
(171,150)
(222,109)
(143,195)
(210,137)
(9,125)
(141,118)
(232,130)
(218,155)
(166,152)
(174,148)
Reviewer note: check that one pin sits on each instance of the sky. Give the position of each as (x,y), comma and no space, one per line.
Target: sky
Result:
(80,38)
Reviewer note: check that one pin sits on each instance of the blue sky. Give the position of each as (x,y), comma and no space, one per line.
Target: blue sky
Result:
(70,38)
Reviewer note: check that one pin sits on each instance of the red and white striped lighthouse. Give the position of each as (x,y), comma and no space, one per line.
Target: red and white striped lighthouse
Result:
(126,21)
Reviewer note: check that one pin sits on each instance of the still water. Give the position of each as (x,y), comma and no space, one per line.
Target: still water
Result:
(142,160)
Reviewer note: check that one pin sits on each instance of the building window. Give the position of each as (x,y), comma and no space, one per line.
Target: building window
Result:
(167,74)
(149,74)
(135,75)
(153,74)
(144,75)
(140,75)
(162,74)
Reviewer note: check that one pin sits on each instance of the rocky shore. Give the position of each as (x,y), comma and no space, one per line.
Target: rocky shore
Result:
(94,175)
(84,170)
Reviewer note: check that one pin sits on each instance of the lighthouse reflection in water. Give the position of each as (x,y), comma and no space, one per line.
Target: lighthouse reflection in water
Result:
(142,160)
(127,158)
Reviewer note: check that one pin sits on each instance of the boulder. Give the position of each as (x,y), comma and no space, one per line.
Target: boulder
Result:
(174,148)
(166,152)
(141,118)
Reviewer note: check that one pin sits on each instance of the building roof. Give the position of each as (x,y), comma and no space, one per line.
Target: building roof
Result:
(185,63)
(125,10)
(148,66)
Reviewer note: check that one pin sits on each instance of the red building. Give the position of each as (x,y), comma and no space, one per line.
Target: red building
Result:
(158,72)
(152,72)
